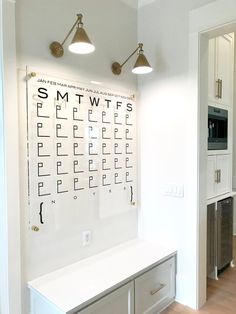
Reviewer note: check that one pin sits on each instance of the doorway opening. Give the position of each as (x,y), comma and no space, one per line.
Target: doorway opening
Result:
(218,157)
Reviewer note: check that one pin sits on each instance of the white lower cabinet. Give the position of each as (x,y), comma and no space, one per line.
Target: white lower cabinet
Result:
(218,175)
(121,301)
(155,289)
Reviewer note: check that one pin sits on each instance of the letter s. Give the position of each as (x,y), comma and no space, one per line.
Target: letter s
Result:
(129,107)
(42,91)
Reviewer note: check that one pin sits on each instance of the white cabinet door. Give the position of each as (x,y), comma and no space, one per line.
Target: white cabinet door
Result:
(224,69)
(211,176)
(218,175)
(121,301)
(224,177)
(220,70)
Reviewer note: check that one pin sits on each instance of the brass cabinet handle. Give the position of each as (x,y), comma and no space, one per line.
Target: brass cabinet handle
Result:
(216,176)
(219,175)
(220,88)
(154,291)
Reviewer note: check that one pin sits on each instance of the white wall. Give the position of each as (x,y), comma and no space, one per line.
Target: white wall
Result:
(112,26)
(168,124)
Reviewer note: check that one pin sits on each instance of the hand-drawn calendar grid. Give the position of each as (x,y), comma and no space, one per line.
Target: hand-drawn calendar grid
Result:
(81,148)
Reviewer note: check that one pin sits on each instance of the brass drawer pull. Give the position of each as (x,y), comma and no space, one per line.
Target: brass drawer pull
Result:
(154,291)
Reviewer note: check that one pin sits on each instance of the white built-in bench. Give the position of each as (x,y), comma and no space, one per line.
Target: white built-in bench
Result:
(137,276)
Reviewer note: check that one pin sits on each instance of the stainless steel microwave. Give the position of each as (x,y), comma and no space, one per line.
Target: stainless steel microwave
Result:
(217,128)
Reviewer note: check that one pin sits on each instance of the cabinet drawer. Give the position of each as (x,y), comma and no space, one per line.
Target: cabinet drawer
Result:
(155,289)
(120,301)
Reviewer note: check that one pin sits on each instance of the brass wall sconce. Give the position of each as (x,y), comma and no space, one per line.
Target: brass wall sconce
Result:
(80,43)
(141,65)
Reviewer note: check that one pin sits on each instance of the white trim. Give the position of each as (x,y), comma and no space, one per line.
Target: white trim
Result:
(218,14)
(10,283)
(212,16)
(143,3)
(4,305)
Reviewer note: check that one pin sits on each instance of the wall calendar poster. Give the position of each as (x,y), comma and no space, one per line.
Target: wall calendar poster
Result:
(81,149)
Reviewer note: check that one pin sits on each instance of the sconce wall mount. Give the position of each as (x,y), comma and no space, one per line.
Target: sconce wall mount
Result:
(141,65)
(80,43)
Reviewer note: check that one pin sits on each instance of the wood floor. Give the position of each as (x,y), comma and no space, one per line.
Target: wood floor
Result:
(221,295)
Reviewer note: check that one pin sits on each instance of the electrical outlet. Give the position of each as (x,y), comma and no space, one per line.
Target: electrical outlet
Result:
(86,237)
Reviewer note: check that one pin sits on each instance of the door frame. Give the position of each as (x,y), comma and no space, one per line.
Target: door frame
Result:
(215,19)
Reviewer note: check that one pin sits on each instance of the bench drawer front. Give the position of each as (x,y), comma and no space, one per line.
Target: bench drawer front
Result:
(120,301)
(155,289)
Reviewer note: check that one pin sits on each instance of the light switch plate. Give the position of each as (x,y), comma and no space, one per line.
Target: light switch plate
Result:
(173,190)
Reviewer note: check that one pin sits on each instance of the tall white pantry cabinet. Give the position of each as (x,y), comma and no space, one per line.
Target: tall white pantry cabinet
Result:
(220,95)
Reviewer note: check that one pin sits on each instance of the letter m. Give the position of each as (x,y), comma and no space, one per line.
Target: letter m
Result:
(59,95)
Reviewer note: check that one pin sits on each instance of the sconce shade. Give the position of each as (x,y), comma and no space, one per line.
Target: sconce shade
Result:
(81,43)
(141,66)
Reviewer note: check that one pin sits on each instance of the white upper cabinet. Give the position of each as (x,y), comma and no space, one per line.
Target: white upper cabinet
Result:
(220,70)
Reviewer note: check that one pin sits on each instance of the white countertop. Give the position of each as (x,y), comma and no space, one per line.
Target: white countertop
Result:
(77,285)
(220,197)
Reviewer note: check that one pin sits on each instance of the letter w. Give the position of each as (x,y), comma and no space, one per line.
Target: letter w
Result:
(94,100)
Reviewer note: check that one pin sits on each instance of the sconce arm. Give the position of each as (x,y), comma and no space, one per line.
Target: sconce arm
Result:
(138,48)
(78,20)
(116,66)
